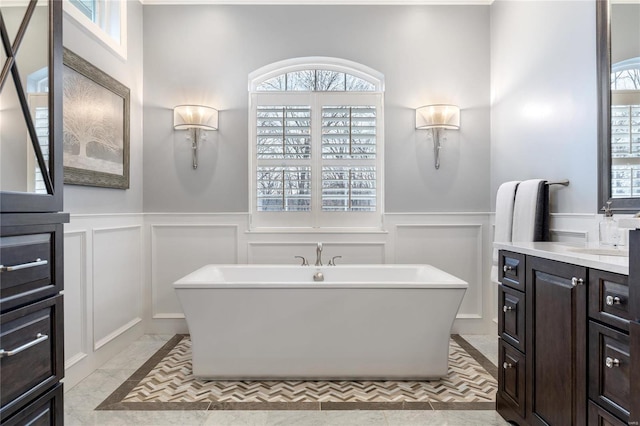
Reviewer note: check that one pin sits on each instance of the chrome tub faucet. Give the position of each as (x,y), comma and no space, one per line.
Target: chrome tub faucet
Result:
(304,260)
(319,254)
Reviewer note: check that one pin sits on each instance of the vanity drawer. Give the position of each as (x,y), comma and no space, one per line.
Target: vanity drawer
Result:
(609,298)
(609,367)
(511,269)
(44,411)
(511,316)
(511,380)
(601,417)
(30,270)
(31,360)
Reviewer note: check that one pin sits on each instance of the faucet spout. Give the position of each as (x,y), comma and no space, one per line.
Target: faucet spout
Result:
(319,254)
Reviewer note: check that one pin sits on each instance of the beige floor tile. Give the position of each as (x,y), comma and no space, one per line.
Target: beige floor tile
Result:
(80,401)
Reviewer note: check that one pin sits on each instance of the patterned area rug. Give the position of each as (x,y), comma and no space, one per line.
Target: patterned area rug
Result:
(165,382)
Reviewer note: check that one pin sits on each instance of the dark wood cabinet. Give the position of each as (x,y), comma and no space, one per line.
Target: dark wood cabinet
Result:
(511,269)
(32,357)
(609,299)
(512,380)
(634,369)
(634,326)
(45,410)
(31,225)
(31,245)
(581,342)
(31,132)
(511,317)
(556,342)
(609,367)
(601,417)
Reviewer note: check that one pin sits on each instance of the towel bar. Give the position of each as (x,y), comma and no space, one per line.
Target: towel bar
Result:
(564,182)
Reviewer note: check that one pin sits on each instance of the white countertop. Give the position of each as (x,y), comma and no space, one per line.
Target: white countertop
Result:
(563,252)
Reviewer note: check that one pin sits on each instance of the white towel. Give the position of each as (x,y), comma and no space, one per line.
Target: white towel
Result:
(530,212)
(505,199)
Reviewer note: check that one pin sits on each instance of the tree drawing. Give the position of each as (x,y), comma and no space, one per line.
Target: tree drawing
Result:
(92,119)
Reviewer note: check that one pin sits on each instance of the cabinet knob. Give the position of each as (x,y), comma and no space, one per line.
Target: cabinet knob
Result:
(507,365)
(506,309)
(507,268)
(612,362)
(576,281)
(613,300)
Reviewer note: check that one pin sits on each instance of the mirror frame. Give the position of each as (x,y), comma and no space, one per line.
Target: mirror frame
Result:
(603,57)
(22,202)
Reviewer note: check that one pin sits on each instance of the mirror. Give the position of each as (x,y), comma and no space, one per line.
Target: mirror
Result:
(618,53)
(24,107)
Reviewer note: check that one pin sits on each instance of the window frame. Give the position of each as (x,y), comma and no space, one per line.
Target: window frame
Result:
(316,218)
(101,34)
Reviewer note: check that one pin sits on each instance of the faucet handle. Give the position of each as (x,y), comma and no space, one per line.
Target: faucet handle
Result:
(304,261)
(332,262)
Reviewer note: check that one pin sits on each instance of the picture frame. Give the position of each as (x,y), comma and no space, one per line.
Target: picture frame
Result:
(96,121)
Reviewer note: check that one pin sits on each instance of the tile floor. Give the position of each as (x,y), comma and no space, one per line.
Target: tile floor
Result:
(80,401)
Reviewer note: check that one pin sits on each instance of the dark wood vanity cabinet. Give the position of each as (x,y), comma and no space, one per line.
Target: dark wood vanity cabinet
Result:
(31,225)
(568,329)
(556,342)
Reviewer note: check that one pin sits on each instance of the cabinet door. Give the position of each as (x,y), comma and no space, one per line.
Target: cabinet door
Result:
(511,381)
(556,342)
(609,298)
(31,152)
(31,259)
(634,326)
(634,336)
(44,411)
(511,313)
(32,359)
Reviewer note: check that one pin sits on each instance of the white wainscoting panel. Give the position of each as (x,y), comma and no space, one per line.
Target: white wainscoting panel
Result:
(117,281)
(178,249)
(277,252)
(104,277)
(114,276)
(573,228)
(454,248)
(75,297)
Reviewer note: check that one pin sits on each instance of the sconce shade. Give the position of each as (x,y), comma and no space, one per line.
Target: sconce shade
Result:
(438,116)
(195,117)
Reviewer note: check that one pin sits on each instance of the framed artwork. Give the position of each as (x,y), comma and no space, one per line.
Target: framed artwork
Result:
(95,126)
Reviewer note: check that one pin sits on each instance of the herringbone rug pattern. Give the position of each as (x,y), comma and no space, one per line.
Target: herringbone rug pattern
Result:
(171,381)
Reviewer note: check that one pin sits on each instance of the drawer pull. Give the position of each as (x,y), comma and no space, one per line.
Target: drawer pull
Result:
(37,262)
(507,268)
(576,281)
(611,362)
(507,365)
(39,338)
(613,300)
(506,309)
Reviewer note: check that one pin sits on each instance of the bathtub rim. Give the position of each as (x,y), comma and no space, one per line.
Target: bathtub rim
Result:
(450,281)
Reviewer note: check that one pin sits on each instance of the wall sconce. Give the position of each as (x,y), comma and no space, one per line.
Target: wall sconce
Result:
(195,118)
(435,118)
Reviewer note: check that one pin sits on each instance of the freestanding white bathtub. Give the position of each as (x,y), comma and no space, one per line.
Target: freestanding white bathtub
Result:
(362,322)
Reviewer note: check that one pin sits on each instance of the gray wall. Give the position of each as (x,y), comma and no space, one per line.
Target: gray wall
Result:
(543,84)
(86,199)
(428,54)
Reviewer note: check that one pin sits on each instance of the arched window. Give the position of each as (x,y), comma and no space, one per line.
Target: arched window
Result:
(625,75)
(316,144)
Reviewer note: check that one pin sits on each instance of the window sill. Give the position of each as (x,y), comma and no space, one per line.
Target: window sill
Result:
(307,230)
